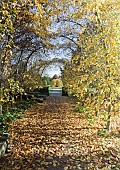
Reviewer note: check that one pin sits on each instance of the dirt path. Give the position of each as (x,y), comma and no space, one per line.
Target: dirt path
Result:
(53,136)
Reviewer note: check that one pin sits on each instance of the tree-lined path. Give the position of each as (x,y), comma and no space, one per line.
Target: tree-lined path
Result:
(54,136)
(79,41)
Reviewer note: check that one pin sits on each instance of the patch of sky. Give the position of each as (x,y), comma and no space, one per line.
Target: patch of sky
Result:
(52,69)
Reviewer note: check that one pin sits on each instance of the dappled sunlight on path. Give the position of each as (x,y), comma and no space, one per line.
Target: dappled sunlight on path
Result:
(53,136)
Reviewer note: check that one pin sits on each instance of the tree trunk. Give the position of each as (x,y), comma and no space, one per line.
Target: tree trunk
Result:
(108,123)
(0,99)
(0,108)
(109,118)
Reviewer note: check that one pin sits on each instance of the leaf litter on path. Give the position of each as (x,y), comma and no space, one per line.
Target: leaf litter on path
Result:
(53,136)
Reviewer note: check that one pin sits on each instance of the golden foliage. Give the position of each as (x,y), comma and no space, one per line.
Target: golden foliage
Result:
(56,83)
(93,75)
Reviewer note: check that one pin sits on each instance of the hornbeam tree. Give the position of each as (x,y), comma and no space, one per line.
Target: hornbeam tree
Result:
(23,27)
(95,69)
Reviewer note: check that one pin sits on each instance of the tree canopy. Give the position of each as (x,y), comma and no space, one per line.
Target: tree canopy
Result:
(89,30)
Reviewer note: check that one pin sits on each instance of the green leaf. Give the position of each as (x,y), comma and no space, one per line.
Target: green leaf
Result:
(79,109)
